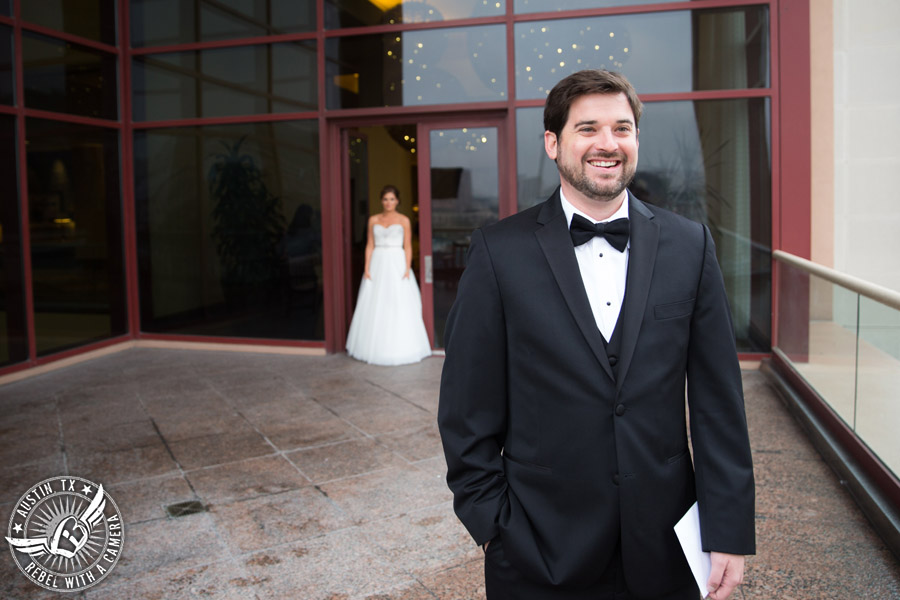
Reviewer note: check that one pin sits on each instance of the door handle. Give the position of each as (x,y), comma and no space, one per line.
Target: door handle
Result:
(429,272)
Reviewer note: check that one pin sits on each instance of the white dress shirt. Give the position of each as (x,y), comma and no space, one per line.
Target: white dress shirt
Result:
(603,270)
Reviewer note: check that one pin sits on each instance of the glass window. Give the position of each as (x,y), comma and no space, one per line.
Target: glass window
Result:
(230,231)
(243,80)
(533,6)
(13,337)
(7,76)
(434,66)
(537,176)
(91,19)
(665,52)
(169,22)
(5,7)
(709,161)
(351,13)
(75,216)
(68,78)
(465,195)
(731,48)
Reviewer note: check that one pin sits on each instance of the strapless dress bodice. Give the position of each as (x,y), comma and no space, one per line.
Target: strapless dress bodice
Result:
(388,237)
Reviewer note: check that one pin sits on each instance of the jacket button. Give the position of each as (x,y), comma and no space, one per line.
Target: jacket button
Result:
(613,359)
(616,479)
(620,410)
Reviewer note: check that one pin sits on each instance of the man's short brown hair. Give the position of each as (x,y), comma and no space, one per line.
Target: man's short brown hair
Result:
(582,83)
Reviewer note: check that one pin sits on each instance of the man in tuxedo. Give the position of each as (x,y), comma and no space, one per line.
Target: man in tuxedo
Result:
(572,345)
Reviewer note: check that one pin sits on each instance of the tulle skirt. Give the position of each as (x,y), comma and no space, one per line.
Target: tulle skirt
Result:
(387,326)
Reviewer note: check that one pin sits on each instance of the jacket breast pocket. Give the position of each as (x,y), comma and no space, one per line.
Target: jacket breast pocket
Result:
(673,310)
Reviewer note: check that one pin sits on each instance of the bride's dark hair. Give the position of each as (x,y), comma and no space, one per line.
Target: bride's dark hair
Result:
(390,189)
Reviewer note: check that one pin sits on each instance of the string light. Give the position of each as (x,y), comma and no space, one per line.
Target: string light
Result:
(425,64)
(536,40)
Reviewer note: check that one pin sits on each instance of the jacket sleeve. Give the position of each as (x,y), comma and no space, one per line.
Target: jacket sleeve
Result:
(472,406)
(722,460)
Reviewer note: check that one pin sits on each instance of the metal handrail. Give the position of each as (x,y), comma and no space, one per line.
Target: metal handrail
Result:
(881,294)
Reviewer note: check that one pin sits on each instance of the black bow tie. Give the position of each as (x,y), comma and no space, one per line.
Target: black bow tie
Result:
(616,232)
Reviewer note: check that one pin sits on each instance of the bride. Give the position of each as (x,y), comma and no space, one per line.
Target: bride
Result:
(387,327)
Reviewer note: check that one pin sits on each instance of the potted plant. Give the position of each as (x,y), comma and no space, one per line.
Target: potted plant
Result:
(247,225)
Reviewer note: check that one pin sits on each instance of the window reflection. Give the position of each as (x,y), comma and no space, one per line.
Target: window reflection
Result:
(731,48)
(533,6)
(351,13)
(247,80)
(75,218)
(13,337)
(68,78)
(438,66)
(666,52)
(536,175)
(229,230)
(91,19)
(7,89)
(465,195)
(709,161)
(169,22)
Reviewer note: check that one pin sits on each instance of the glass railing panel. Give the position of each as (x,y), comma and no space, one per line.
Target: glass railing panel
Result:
(878,404)
(841,335)
(817,332)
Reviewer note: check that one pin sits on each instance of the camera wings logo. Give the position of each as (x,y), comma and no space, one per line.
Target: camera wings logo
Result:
(65,534)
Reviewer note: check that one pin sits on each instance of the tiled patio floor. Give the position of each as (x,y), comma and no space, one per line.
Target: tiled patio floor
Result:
(323,479)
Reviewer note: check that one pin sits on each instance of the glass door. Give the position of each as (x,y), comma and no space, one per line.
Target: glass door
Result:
(461,184)
(450,174)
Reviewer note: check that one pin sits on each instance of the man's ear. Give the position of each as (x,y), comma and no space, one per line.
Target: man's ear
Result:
(550,144)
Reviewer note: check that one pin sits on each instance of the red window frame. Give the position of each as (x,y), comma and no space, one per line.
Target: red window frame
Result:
(791,165)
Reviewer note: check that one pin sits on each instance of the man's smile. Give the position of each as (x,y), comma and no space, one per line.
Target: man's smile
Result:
(604,163)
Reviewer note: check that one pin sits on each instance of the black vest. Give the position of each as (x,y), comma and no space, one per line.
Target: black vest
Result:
(614,345)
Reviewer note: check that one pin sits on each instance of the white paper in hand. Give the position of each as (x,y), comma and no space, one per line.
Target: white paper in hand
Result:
(688,532)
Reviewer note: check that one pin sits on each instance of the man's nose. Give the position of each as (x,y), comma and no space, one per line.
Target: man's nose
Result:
(605,140)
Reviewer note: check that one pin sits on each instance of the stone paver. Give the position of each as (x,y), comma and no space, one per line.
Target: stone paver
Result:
(322,478)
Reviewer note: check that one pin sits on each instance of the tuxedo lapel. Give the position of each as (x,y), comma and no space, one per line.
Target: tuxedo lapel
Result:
(641,259)
(556,243)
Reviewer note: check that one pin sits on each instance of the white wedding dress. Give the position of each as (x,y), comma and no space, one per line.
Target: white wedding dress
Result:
(387,327)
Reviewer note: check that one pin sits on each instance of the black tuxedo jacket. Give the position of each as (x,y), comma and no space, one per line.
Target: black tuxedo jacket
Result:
(550,451)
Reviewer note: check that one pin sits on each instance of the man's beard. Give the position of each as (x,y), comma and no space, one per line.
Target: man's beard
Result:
(602,191)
